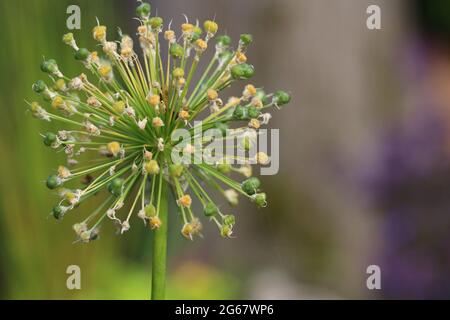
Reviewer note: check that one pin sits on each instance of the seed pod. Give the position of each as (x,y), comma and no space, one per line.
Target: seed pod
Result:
(224,168)
(116,186)
(262,96)
(49,66)
(53,182)
(246,39)
(210,210)
(143,10)
(176,51)
(119,106)
(210,26)
(151,167)
(176,170)
(229,220)
(60,85)
(242,71)
(49,139)
(251,186)
(224,40)
(260,200)
(282,97)
(196,34)
(239,113)
(57,212)
(253,112)
(150,210)
(226,231)
(82,54)
(178,73)
(155,22)
(39,86)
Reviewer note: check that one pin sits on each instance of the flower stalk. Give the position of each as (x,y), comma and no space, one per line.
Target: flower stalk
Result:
(159,257)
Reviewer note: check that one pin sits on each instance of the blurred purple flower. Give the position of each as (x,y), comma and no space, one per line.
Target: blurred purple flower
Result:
(410,184)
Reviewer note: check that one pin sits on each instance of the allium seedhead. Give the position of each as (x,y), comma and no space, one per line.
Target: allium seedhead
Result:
(125,116)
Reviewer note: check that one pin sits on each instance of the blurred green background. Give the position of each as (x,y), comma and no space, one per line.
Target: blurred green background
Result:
(328,218)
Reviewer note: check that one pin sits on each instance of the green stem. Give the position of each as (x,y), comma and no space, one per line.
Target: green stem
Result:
(160,249)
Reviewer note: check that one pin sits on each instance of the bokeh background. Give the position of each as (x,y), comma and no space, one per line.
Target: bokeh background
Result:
(365,151)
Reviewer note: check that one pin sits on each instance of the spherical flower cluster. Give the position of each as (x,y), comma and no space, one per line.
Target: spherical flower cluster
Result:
(122,117)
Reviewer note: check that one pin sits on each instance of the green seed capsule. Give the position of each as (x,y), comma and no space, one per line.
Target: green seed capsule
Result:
(210,210)
(39,86)
(251,185)
(178,73)
(115,186)
(249,71)
(49,66)
(82,54)
(197,30)
(49,138)
(210,26)
(224,168)
(57,212)
(176,170)
(282,97)
(226,231)
(239,113)
(143,10)
(260,200)
(237,72)
(195,37)
(261,94)
(242,71)
(156,22)
(53,182)
(196,34)
(224,40)
(253,112)
(150,210)
(229,220)
(246,39)
(176,50)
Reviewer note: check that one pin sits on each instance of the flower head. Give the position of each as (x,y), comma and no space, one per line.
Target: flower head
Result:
(125,111)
